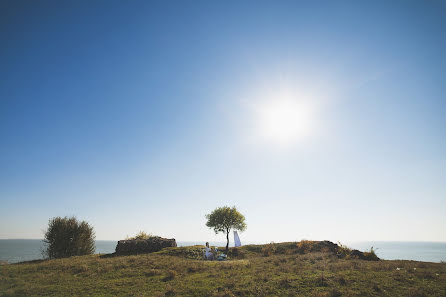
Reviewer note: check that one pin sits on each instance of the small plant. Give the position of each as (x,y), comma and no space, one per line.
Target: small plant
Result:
(371,256)
(140,236)
(321,280)
(192,269)
(285,282)
(236,253)
(343,251)
(171,274)
(376,288)
(304,246)
(335,293)
(152,272)
(169,291)
(269,249)
(80,269)
(342,280)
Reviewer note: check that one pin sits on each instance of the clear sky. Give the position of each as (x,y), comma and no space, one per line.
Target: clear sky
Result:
(317,119)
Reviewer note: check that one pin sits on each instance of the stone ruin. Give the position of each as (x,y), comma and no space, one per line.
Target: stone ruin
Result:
(328,246)
(143,246)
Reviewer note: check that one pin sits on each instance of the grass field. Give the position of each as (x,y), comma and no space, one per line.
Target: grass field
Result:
(256,270)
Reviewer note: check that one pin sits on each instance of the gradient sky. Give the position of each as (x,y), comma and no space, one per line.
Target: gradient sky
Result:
(139,115)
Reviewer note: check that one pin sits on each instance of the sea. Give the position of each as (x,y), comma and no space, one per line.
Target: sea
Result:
(19,250)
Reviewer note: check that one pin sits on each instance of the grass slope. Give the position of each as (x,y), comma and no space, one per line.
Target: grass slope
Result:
(256,270)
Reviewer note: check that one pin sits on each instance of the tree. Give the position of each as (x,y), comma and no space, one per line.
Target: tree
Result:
(225,218)
(66,237)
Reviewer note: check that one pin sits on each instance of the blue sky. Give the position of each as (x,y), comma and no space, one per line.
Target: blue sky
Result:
(147,115)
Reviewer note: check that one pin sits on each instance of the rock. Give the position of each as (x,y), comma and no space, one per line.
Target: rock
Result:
(143,246)
(355,254)
(325,246)
(306,246)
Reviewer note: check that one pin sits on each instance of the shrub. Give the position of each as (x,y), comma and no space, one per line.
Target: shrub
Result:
(193,252)
(371,256)
(342,280)
(171,274)
(253,248)
(169,291)
(335,293)
(285,282)
(304,246)
(269,249)
(66,237)
(343,251)
(192,269)
(152,272)
(140,236)
(236,253)
(286,248)
(321,280)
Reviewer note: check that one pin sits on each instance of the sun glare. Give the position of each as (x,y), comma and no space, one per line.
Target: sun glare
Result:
(283,121)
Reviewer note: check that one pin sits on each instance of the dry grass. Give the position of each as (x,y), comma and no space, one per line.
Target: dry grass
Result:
(174,272)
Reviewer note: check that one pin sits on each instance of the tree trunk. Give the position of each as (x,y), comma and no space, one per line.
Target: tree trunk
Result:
(227,241)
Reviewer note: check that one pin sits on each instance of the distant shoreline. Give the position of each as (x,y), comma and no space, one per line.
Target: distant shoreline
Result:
(19,250)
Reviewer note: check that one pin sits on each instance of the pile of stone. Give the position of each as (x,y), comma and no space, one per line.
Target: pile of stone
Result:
(143,246)
(326,246)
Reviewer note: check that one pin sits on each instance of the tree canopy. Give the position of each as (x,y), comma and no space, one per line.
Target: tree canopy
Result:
(66,237)
(225,218)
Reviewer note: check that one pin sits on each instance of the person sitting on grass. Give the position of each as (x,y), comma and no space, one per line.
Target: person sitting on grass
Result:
(208,255)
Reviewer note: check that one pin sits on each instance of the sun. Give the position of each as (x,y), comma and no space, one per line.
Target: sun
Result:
(283,121)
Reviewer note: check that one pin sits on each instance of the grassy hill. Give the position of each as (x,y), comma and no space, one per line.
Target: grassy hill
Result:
(284,269)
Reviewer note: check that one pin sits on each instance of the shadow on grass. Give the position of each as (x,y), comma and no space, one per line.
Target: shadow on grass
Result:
(32,261)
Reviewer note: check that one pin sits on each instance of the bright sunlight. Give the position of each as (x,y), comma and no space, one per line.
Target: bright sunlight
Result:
(283,121)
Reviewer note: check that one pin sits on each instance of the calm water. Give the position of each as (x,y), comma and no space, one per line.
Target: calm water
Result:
(395,250)
(17,250)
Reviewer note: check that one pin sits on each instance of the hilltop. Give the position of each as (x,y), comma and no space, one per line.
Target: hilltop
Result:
(283,269)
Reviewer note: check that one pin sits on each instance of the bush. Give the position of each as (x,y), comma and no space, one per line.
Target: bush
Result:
(192,252)
(66,237)
(171,274)
(236,253)
(140,236)
(305,246)
(269,249)
(371,255)
(343,251)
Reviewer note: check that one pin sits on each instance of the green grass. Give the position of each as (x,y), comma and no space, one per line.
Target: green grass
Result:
(255,270)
